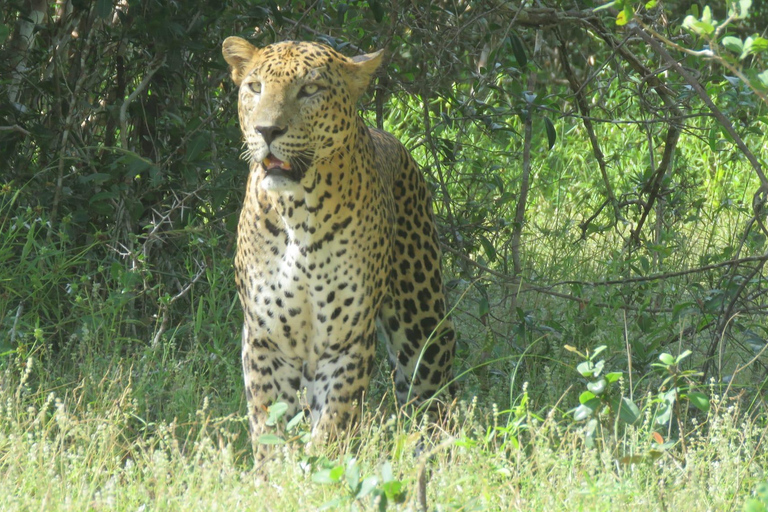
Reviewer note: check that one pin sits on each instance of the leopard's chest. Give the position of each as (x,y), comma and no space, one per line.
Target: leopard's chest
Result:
(305,299)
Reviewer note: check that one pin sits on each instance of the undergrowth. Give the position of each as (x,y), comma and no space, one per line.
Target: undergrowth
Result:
(92,445)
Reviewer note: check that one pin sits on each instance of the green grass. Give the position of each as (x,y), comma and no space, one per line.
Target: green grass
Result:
(90,444)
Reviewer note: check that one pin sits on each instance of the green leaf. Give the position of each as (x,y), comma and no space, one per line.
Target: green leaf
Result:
(4,33)
(744,6)
(679,359)
(650,5)
(377,10)
(386,472)
(337,472)
(367,486)
(699,400)
(597,387)
(759,45)
(518,50)
(613,377)
(196,145)
(295,421)
(733,44)
(590,432)
(586,410)
(585,368)
(702,28)
(551,132)
(490,250)
(597,351)
(341,12)
(755,505)
(586,396)
(629,413)
(328,475)
(104,8)
(103,196)
(663,414)
(763,77)
(334,504)
(624,16)
(483,307)
(270,439)
(276,411)
(608,5)
(761,490)
(352,474)
(393,490)
(97,178)
(753,46)
(747,47)
(667,359)
(134,163)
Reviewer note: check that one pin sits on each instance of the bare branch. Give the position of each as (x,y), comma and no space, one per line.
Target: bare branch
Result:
(164,305)
(15,128)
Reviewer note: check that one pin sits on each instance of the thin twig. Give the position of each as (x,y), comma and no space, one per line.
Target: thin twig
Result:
(14,128)
(581,101)
(525,179)
(654,187)
(667,275)
(165,306)
(19,310)
(160,62)
(728,315)
(73,103)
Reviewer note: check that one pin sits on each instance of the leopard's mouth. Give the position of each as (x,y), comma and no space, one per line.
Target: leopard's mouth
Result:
(273,166)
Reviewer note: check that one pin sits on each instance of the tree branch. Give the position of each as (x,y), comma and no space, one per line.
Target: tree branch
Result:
(124,108)
(584,109)
(664,54)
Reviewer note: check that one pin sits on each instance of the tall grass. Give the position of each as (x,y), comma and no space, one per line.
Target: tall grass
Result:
(89,445)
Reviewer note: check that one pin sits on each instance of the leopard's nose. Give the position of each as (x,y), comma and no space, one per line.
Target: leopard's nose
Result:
(270,133)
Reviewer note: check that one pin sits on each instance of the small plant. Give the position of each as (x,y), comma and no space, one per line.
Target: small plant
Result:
(379,490)
(507,436)
(292,431)
(677,386)
(602,396)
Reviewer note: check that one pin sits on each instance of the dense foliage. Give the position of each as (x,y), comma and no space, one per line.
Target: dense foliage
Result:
(598,174)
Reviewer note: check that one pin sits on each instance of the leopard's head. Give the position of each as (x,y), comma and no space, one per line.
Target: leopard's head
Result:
(296,105)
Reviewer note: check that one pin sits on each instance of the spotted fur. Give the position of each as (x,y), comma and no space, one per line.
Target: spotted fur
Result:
(336,235)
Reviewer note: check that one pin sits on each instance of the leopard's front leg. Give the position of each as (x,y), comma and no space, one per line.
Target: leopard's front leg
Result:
(269,377)
(340,383)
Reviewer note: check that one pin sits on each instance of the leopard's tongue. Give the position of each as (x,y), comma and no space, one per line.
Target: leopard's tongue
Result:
(271,162)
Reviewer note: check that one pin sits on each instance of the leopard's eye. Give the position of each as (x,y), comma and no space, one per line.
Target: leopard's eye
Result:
(309,90)
(255,87)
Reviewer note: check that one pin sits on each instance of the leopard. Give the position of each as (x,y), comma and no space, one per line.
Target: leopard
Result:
(337,245)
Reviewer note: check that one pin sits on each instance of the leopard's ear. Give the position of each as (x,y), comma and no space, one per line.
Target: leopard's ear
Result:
(361,69)
(238,53)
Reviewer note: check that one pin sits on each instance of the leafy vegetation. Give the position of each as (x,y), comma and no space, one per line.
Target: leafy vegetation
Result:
(598,174)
